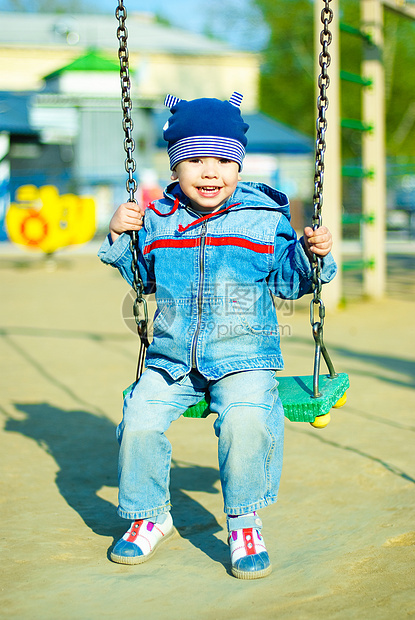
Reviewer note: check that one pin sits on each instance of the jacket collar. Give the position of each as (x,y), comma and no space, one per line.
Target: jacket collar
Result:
(247,195)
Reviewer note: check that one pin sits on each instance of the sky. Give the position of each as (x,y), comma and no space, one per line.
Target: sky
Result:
(235,21)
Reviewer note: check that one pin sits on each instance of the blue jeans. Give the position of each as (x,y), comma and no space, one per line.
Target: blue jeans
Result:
(249,427)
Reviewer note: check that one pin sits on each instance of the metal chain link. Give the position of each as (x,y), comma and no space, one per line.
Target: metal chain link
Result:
(140,303)
(126,103)
(322,105)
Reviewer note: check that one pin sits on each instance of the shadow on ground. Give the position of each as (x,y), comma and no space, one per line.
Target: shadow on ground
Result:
(85,449)
(376,366)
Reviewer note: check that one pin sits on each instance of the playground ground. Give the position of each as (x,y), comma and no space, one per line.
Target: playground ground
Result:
(341,537)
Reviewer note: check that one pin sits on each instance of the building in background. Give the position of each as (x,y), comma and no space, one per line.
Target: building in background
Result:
(60,112)
(164,59)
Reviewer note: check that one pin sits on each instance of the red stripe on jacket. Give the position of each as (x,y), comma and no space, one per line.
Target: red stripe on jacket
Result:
(172,243)
(261,248)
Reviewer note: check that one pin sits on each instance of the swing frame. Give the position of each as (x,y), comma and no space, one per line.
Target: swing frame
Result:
(304,398)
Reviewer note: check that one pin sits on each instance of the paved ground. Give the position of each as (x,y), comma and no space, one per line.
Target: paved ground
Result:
(341,537)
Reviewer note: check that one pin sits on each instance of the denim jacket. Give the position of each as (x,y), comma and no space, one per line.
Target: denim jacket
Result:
(214,277)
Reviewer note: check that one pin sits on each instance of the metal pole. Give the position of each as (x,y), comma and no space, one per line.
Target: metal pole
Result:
(332,191)
(373,152)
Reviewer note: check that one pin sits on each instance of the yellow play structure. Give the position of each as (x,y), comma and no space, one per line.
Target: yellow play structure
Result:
(41,219)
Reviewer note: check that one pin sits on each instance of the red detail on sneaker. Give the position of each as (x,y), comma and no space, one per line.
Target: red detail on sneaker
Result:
(150,526)
(249,543)
(134,530)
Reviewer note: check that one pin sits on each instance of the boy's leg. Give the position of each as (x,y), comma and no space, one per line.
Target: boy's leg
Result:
(145,451)
(250,430)
(144,460)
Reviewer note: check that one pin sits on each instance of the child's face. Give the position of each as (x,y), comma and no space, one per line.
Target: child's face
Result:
(207,181)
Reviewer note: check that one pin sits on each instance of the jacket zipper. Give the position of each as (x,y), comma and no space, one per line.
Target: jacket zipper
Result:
(199,291)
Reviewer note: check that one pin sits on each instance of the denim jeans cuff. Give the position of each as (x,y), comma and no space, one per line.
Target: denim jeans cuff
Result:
(153,514)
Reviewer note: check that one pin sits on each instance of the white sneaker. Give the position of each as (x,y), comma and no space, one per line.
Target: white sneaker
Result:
(140,542)
(249,556)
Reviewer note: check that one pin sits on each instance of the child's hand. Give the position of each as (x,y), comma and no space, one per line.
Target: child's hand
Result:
(128,216)
(317,241)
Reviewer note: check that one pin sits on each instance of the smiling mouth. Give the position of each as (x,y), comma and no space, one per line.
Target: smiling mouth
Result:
(209,189)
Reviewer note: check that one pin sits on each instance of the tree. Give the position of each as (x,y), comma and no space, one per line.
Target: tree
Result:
(288,82)
(287,75)
(400,84)
(238,22)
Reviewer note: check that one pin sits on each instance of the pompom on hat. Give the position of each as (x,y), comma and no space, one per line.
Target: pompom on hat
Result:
(205,128)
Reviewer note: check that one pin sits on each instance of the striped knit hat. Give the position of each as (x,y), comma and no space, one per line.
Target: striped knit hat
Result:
(205,128)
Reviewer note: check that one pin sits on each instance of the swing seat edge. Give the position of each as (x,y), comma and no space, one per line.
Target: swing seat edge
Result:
(296,394)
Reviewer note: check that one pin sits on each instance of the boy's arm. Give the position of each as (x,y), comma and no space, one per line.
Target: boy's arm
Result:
(128,216)
(317,242)
(291,275)
(115,250)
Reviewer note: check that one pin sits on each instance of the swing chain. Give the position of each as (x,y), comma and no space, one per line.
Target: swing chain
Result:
(126,103)
(322,105)
(321,126)
(140,310)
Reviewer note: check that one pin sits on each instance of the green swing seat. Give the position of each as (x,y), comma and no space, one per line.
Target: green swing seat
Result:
(297,398)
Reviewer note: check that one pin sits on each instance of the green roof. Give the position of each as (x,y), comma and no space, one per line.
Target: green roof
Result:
(92,61)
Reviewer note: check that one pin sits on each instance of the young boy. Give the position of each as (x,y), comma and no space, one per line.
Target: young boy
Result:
(215,249)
